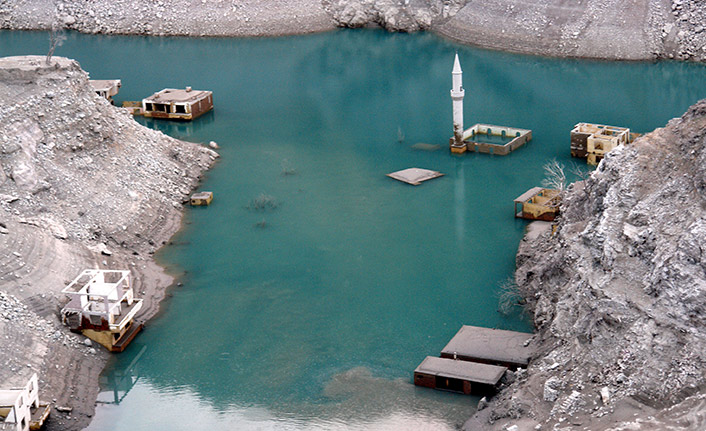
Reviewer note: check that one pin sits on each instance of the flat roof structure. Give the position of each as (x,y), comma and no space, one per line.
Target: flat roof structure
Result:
(107,85)
(463,370)
(524,197)
(177,95)
(201,198)
(415,176)
(106,88)
(473,139)
(177,104)
(490,346)
(20,409)
(538,203)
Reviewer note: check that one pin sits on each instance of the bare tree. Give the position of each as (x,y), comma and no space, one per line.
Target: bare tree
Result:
(580,172)
(555,177)
(56,38)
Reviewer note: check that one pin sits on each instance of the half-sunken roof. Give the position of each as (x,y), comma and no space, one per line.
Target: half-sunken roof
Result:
(471,371)
(179,95)
(104,84)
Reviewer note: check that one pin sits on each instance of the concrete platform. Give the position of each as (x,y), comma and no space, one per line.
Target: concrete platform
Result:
(458,376)
(490,346)
(414,176)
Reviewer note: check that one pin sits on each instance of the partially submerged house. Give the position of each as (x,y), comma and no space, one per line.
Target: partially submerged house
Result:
(538,203)
(458,376)
(20,409)
(106,88)
(178,104)
(475,360)
(593,141)
(102,306)
(201,198)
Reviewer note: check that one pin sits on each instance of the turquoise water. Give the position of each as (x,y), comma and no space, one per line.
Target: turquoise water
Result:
(312,311)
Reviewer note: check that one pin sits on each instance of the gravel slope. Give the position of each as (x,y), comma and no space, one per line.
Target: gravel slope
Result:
(606,29)
(82,185)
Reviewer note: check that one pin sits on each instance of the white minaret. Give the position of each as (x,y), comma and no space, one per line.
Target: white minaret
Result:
(457,93)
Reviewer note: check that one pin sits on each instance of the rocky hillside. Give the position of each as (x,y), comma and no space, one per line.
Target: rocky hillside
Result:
(393,15)
(608,29)
(82,185)
(618,293)
(169,17)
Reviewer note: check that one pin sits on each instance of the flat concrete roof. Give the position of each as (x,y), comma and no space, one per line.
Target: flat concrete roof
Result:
(177,95)
(414,176)
(491,345)
(104,84)
(524,197)
(464,370)
(202,195)
(9,396)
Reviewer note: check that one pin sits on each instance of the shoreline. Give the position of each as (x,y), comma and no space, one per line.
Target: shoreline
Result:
(645,30)
(89,188)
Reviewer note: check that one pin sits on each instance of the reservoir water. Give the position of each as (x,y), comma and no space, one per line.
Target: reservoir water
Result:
(314,285)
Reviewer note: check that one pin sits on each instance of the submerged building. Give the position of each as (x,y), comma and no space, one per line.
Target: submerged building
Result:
(538,203)
(482,138)
(106,88)
(102,306)
(593,141)
(177,104)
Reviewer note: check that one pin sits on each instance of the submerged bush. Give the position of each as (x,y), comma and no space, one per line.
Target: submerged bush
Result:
(263,203)
(287,168)
(508,296)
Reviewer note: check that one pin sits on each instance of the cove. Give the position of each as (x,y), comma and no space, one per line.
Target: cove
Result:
(314,285)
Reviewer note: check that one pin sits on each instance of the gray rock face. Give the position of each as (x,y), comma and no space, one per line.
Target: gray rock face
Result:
(393,15)
(551,389)
(618,292)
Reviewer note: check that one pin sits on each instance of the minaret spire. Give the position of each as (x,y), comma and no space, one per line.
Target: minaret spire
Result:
(457,94)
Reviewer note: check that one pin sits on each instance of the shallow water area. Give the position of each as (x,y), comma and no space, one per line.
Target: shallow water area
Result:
(314,285)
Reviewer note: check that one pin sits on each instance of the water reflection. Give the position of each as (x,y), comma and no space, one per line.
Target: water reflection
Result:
(184,130)
(116,384)
(355,400)
(460,201)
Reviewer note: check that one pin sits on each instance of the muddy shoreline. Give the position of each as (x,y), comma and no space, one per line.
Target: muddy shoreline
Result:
(82,185)
(596,29)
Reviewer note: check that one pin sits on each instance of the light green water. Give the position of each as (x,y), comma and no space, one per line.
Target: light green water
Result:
(313,314)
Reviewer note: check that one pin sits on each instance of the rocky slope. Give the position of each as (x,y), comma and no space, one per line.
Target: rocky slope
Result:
(82,185)
(169,17)
(608,29)
(618,295)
